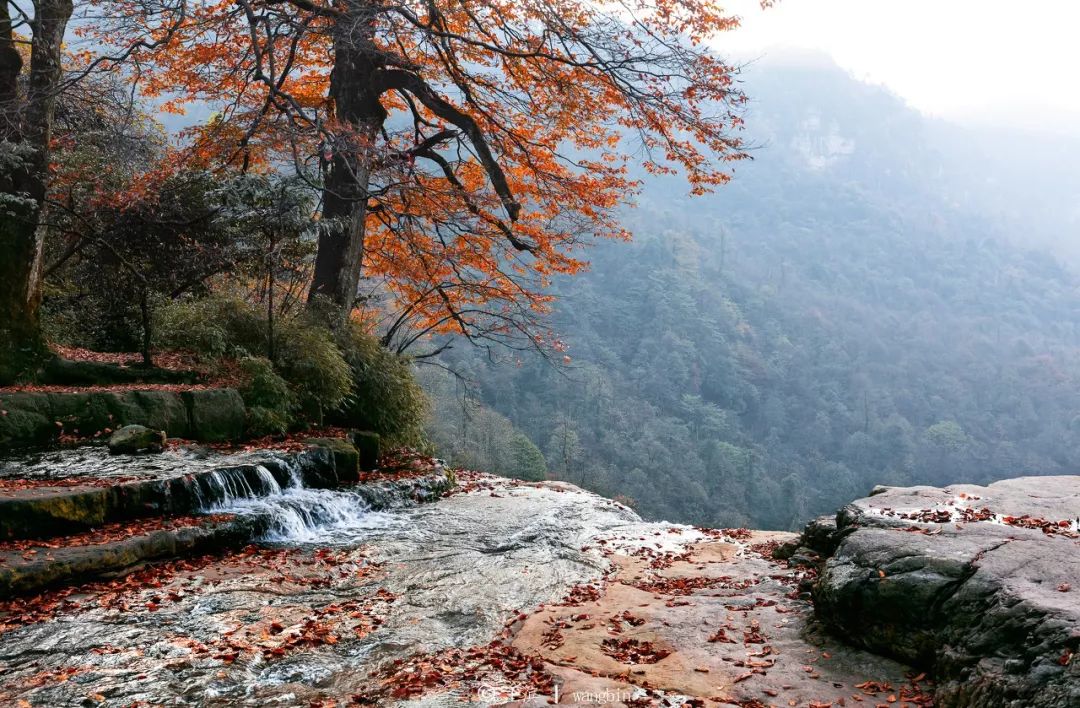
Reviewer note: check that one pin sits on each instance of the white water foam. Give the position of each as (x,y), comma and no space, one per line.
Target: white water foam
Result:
(295,513)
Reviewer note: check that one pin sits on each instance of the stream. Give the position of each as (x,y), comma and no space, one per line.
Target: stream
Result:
(339,590)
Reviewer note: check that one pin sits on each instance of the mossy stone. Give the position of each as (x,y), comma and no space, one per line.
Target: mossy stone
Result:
(161,410)
(346,458)
(25,419)
(54,513)
(216,415)
(81,413)
(136,438)
(367,444)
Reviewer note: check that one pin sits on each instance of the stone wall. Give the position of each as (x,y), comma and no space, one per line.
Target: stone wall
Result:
(29,418)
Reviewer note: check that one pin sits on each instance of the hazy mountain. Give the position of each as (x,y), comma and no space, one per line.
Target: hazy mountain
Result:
(862,305)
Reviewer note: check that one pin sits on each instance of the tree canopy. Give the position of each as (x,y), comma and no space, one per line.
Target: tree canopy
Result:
(465,152)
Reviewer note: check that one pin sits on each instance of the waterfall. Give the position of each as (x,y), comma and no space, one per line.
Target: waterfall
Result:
(289,512)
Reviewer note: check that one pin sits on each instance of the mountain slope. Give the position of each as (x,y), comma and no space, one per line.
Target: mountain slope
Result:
(840,316)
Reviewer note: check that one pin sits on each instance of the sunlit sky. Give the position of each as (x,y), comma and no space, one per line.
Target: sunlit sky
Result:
(986,61)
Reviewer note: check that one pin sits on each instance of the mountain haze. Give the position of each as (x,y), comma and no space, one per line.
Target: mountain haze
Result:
(852,310)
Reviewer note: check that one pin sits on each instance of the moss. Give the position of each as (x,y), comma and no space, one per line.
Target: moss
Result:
(216,415)
(346,457)
(367,444)
(25,419)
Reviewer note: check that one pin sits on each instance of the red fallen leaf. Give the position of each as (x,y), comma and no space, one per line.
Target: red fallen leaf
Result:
(276,628)
(1066,658)
(1064,587)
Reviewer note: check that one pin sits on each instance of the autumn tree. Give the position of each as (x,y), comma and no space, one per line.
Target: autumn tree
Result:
(36,71)
(27,102)
(465,151)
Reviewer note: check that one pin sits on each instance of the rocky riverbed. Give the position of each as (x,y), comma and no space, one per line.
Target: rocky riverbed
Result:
(532,594)
(501,592)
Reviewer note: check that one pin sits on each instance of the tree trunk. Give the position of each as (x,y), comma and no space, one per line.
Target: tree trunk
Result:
(147,332)
(21,344)
(339,260)
(26,129)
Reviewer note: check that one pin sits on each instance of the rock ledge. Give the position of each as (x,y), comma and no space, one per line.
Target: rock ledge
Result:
(980,585)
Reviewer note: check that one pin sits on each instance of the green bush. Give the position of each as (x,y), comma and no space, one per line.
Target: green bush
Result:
(267,396)
(312,363)
(529,463)
(385,396)
(214,327)
(304,352)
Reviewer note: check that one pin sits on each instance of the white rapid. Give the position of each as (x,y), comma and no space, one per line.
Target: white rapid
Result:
(289,511)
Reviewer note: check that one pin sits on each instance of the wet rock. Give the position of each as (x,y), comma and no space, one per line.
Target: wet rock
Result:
(711,620)
(132,439)
(31,570)
(179,487)
(345,457)
(974,583)
(498,562)
(49,511)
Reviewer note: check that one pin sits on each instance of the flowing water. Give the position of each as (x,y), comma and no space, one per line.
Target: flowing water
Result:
(402,579)
(293,514)
(96,462)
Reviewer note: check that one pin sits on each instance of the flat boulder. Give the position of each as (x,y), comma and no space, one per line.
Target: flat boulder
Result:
(215,414)
(979,585)
(136,438)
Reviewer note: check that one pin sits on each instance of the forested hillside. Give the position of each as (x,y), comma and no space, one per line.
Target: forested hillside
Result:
(837,317)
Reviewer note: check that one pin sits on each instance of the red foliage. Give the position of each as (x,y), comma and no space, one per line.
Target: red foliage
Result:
(174,361)
(633,651)
(37,388)
(117,531)
(9,485)
(408,678)
(120,593)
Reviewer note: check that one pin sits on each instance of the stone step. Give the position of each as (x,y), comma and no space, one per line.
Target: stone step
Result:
(110,525)
(27,567)
(37,512)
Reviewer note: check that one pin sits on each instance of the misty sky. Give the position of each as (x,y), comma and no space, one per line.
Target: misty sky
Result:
(989,61)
